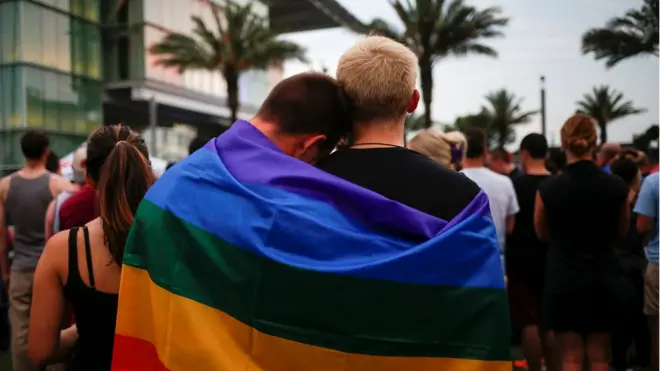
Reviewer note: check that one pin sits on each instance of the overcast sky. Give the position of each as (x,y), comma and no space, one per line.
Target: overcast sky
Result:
(542,38)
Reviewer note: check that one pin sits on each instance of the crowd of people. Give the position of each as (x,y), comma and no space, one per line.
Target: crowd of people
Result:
(577,228)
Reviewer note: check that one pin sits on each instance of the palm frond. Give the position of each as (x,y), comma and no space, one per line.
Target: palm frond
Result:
(183,52)
(634,34)
(605,105)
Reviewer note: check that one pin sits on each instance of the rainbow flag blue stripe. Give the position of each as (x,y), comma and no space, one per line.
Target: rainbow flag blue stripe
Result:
(244,258)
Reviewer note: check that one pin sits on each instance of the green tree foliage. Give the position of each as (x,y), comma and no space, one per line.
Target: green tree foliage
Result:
(238,41)
(605,105)
(437,29)
(634,34)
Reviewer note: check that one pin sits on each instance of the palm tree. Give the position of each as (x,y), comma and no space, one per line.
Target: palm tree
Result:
(437,29)
(606,105)
(503,112)
(634,34)
(643,141)
(239,41)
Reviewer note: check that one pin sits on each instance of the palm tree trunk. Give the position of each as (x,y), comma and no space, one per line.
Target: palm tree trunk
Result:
(603,132)
(426,76)
(501,141)
(231,77)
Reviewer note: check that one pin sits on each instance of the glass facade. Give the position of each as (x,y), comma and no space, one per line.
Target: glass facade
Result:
(50,72)
(151,20)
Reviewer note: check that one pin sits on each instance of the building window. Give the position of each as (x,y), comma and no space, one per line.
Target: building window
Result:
(9,32)
(59,41)
(11,97)
(62,102)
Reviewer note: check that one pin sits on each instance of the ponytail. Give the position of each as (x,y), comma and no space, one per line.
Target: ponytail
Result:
(125,178)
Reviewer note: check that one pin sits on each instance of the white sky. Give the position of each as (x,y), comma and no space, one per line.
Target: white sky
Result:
(542,38)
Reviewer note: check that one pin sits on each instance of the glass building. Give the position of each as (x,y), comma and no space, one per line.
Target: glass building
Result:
(69,66)
(50,73)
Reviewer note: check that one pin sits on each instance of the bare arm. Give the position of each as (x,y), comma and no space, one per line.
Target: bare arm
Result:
(46,343)
(59,184)
(510,223)
(50,215)
(540,221)
(644,224)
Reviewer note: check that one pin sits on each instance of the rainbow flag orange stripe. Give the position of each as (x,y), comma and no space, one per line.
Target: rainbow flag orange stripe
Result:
(242,258)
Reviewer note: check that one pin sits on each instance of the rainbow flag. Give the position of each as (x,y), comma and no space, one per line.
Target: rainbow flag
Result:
(242,258)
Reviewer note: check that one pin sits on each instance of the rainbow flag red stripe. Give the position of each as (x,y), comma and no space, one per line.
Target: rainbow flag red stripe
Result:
(242,258)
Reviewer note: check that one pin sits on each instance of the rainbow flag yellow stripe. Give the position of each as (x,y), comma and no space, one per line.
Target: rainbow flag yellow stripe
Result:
(218,275)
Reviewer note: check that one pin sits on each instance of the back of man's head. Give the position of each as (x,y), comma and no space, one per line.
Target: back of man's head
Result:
(476,143)
(308,103)
(536,145)
(502,155)
(34,145)
(379,75)
(608,151)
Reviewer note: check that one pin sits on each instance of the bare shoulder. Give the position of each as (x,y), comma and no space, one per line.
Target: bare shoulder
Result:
(59,184)
(4,187)
(55,254)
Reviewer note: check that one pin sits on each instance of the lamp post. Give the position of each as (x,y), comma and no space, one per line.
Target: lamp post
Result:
(543,123)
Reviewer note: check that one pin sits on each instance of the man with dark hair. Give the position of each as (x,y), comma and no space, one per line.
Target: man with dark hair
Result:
(53,163)
(25,196)
(501,162)
(525,257)
(502,197)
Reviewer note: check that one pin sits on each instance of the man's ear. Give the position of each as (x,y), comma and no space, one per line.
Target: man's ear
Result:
(308,143)
(413,102)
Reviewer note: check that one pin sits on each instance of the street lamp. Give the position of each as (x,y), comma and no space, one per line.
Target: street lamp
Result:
(543,123)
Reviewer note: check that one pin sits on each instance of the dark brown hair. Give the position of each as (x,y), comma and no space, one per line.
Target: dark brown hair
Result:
(578,135)
(34,144)
(118,159)
(52,163)
(309,103)
(501,154)
(476,142)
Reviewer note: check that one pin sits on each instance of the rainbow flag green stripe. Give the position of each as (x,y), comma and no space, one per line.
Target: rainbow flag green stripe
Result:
(241,257)
(238,274)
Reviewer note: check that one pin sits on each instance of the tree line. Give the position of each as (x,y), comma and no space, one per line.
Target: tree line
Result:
(435,30)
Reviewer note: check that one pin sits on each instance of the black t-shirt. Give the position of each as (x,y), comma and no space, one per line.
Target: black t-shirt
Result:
(525,253)
(405,176)
(583,207)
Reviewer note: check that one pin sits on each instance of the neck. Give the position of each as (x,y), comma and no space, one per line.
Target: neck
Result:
(389,132)
(571,158)
(536,167)
(33,165)
(469,163)
(269,130)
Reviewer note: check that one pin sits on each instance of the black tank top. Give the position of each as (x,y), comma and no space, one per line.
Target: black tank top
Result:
(95,312)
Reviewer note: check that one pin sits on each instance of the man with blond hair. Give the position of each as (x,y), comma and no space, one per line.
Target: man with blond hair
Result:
(380,77)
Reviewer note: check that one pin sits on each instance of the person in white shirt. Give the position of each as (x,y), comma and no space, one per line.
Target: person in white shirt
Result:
(498,188)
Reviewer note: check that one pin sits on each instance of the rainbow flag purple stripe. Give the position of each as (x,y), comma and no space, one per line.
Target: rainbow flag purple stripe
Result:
(242,257)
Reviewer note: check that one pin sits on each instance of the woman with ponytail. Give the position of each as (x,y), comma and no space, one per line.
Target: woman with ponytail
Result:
(82,266)
(583,213)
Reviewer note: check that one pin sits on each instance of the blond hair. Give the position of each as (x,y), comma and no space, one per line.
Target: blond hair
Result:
(436,145)
(379,75)
(432,144)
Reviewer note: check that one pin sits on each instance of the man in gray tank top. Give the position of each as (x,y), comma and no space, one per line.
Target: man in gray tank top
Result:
(25,196)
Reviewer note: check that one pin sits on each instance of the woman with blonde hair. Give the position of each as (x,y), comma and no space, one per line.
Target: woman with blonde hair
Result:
(583,213)
(448,149)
